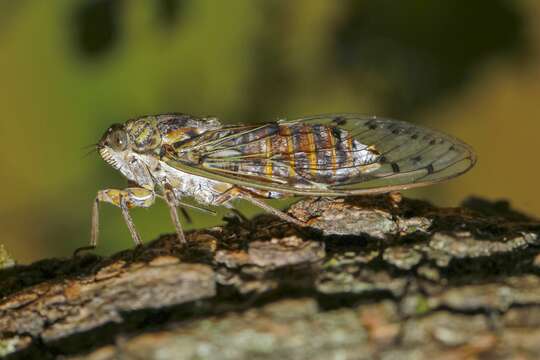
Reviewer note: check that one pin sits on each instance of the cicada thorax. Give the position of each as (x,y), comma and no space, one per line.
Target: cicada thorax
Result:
(178,129)
(143,133)
(295,154)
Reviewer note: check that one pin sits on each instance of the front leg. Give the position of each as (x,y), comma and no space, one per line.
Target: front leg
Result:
(125,200)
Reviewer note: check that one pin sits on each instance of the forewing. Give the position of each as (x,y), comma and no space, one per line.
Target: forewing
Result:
(406,156)
(409,155)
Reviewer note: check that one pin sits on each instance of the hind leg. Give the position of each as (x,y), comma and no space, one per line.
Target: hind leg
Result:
(238,193)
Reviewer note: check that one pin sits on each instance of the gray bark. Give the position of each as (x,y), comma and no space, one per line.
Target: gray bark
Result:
(373,277)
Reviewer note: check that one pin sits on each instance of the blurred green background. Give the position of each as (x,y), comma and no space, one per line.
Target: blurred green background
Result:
(69,69)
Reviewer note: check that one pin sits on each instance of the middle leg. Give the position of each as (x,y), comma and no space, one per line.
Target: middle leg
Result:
(172,202)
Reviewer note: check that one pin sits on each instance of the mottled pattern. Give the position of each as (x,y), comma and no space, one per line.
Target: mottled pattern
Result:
(178,129)
(322,155)
(297,154)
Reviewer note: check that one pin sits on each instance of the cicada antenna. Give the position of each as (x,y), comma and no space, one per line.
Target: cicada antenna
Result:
(91,151)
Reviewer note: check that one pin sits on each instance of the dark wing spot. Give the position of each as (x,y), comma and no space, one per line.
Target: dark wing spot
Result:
(395,131)
(395,167)
(339,121)
(371,125)
(433,142)
(414,136)
(383,159)
(430,169)
(416,158)
(337,133)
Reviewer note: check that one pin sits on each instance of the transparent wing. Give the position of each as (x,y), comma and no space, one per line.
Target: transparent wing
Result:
(405,156)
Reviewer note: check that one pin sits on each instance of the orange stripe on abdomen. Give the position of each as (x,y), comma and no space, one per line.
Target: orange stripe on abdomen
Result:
(311,150)
(285,132)
(268,170)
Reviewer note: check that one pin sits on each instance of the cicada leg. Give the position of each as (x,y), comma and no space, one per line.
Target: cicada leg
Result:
(170,199)
(237,193)
(124,199)
(186,215)
(184,205)
(280,214)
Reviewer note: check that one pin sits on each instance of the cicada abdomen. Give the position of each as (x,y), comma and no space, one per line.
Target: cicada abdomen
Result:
(296,154)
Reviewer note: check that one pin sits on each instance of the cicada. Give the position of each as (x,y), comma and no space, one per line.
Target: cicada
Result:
(174,156)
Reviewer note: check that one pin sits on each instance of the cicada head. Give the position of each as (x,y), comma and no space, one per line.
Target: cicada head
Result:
(114,145)
(123,145)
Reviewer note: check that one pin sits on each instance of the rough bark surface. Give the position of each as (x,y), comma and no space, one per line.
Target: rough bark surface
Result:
(374,277)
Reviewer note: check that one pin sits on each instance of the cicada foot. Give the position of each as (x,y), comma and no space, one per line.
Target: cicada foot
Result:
(81,249)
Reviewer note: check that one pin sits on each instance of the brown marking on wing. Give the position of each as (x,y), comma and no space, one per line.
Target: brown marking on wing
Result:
(176,136)
(332,142)
(285,132)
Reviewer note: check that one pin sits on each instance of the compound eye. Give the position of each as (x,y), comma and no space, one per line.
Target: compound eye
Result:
(118,140)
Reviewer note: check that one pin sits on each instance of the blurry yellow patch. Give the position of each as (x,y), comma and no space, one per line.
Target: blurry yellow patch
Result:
(370,167)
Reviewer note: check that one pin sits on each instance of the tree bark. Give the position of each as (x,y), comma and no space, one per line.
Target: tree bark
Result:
(372,277)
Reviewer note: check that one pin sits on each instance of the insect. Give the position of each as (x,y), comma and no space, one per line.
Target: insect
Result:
(173,156)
